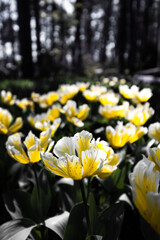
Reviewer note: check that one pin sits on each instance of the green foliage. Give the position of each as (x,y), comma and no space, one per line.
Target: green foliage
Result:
(16,229)
(75,228)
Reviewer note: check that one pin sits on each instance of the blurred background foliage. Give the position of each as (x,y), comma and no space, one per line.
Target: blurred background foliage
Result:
(47,39)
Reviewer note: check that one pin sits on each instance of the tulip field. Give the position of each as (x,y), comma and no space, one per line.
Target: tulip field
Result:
(80,163)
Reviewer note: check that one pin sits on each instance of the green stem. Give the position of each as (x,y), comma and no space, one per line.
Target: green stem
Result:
(39,198)
(85,203)
(37,182)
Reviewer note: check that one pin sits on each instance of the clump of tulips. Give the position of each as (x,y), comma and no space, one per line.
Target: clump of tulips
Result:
(87,156)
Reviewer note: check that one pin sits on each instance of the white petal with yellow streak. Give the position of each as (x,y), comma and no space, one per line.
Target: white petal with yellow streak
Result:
(34,152)
(45,139)
(82,140)
(73,166)
(50,163)
(30,140)
(92,160)
(65,145)
(16,126)
(15,149)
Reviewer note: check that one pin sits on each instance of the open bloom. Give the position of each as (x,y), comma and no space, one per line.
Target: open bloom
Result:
(6,125)
(81,156)
(145,184)
(111,111)
(7,97)
(76,115)
(139,115)
(135,94)
(122,134)
(127,92)
(29,151)
(154,131)
(109,98)
(67,91)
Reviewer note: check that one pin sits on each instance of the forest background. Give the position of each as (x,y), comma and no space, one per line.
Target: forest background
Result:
(48,39)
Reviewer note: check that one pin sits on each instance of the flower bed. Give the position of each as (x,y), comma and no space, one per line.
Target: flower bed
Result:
(80,162)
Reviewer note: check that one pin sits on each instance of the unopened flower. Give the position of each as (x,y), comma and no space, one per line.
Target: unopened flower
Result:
(81,156)
(139,115)
(7,97)
(29,150)
(6,122)
(154,131)
(109,98)
(145,184)
(76,115)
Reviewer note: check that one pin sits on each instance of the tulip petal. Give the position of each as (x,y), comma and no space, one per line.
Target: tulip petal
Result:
(16,126)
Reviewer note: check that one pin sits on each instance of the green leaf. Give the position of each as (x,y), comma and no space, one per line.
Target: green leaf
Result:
(94,237)
(19,205)
(58,223)
(16,229)
(119,176)
(65,191)
(41,197)
(75,228)
(92,213)
(110,221)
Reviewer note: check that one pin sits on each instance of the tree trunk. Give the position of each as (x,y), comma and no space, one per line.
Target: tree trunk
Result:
(121,36)
(105,33)
(77,50)
(25,37)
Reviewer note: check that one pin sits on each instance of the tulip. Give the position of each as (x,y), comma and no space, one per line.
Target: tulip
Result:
(111,111)
(7,97)
(145,184)
(154,131)
(29,150)
(81,156)
(76,115)
(41,122)
(139,115)
(119,136)
(67,92)
(6,125)
(109,98)
(154,156)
